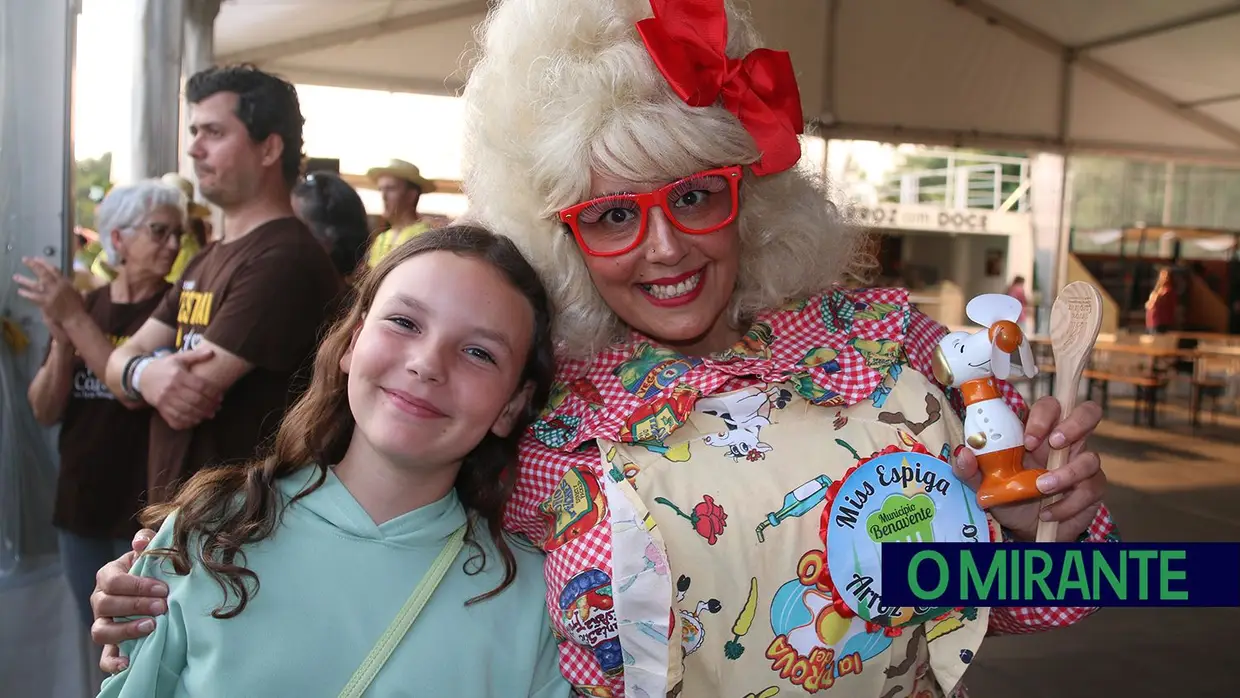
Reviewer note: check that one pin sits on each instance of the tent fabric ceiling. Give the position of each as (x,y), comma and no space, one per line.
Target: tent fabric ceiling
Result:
(1129,77)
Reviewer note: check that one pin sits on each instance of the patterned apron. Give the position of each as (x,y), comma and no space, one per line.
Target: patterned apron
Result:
(744,553)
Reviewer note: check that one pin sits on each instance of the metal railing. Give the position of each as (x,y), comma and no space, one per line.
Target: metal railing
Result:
(966,181)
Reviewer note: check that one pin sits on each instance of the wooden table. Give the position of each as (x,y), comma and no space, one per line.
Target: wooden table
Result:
(1205,358)
(1144,365)
(1148,378)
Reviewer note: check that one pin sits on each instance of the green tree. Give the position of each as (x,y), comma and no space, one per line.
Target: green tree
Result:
(92,181)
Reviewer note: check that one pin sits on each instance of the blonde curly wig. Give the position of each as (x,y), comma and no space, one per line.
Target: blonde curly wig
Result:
(559,88)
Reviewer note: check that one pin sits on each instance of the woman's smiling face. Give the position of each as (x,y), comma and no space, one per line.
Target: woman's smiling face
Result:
(673,286)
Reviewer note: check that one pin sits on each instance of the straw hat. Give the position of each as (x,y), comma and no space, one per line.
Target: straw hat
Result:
(195,209)
(403,170)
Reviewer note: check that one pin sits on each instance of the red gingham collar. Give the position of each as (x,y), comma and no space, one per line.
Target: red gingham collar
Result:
(834,349)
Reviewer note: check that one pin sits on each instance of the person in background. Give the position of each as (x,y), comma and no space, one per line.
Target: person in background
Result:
(336,216)
(86,249)
(402,186)
(199,229)
(197,216)
(102,272)
(220,358)
(103,438)
(1017,291)
(1160,307)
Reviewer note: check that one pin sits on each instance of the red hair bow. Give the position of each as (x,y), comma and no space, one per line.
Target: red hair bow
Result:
(688,38)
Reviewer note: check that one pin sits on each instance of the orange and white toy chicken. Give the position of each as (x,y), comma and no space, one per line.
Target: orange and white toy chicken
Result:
(971,361)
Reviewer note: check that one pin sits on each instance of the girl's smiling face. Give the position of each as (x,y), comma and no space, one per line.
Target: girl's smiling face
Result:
(436,363)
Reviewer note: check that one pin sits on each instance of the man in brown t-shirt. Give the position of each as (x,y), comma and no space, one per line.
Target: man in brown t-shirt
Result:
(220,358)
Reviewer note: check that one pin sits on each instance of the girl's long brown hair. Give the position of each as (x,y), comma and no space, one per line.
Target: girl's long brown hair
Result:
(226,508)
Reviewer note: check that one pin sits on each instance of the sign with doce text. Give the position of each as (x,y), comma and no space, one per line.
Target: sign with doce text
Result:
(943,220)
(1062,574)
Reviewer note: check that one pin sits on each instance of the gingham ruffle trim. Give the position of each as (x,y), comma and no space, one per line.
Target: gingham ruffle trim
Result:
(835,349)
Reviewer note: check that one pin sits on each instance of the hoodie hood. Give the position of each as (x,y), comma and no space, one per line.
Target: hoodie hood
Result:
(333,506)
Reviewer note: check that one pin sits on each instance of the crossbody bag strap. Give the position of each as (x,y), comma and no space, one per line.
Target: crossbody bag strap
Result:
(404,620)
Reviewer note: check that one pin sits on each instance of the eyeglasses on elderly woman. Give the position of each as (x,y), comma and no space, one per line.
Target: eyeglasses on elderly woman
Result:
(614,224)
(160,232)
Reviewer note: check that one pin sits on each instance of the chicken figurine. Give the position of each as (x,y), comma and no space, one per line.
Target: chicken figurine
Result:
(971,361)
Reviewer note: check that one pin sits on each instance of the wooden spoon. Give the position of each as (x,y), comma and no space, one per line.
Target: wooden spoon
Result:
(1076,319)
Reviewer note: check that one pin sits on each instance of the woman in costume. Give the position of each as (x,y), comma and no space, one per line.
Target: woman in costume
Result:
(715,377)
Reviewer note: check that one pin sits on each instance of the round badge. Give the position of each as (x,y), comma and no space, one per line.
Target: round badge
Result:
(898,496)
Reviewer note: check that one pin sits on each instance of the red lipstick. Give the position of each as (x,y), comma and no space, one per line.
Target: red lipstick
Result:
(678,300)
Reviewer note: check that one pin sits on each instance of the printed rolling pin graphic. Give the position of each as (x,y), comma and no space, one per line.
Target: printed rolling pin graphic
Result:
(971,361)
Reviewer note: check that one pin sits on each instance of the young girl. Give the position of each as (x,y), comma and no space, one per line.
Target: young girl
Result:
(284,575)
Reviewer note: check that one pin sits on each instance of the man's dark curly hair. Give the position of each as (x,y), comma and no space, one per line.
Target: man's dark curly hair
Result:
(266,104)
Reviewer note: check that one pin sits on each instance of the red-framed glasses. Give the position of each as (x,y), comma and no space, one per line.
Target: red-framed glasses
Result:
(698,204)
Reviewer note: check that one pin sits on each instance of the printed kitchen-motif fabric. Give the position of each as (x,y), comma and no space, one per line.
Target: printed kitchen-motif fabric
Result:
(746,559)
(678,500)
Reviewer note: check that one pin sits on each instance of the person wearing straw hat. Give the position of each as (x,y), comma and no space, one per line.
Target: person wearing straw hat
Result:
(192,243)
(401,183)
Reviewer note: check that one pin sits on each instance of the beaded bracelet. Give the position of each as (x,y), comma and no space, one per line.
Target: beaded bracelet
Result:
(127,377)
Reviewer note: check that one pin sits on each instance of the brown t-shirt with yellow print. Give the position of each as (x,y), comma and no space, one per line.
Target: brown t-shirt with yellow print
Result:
(265,298)
(101,485)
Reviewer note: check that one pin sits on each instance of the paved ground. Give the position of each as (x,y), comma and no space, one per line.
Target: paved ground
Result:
(1167,484)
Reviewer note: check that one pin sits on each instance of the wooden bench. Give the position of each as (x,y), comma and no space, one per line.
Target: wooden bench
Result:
(1215,367)
(1044,359)
(1046,372)
(1146,387)
(1134,360)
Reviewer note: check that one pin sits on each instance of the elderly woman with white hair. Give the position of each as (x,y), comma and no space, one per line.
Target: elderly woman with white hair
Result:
(103,438)
(716,376)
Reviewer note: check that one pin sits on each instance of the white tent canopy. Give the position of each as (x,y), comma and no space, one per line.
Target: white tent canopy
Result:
(1129,77)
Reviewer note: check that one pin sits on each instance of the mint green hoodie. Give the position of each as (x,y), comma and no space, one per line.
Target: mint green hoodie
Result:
(331,582)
